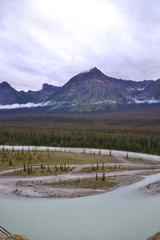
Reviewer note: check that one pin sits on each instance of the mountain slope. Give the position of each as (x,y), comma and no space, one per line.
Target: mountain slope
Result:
(151,92)
(86,92)
(88,89)
(42,95)
(9,95)
(93,90)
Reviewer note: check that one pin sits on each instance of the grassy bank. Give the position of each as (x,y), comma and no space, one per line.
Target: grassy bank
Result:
(16,159)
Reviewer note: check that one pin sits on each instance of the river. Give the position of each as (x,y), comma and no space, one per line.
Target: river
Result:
(86,150)
(125,214)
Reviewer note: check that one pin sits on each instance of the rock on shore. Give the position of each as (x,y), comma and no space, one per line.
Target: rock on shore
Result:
(14,237)
(154,237)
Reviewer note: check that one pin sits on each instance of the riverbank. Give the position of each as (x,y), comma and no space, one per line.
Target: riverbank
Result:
(71,185)
(66,174)
(72,188)
(152,188)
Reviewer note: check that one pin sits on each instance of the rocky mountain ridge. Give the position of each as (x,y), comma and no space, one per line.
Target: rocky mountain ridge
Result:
(88,91)
(93,90)
(8,95)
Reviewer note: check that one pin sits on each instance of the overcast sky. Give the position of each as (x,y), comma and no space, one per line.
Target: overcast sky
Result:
(53,40)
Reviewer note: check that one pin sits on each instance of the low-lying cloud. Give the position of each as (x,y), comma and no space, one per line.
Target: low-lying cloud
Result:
(26,105)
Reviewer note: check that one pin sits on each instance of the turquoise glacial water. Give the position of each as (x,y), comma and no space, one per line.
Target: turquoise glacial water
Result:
(124,214)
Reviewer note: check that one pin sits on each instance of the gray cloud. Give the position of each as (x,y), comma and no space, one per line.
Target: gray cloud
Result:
(50,41)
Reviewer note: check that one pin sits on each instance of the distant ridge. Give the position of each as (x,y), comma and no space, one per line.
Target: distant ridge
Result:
(88,91)
(8,95)
(92,90)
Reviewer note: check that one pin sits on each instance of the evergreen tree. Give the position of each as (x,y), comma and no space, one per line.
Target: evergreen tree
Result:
(103,177)
(42,166)
(97,166)
(10,162)
(96,176)
(24,167)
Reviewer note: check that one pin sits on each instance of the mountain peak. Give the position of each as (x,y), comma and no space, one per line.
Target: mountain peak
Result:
(5,85)
(92,73)
(93,70)
(47,86)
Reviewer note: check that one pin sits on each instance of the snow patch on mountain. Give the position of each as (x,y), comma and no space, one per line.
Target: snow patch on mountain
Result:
(140,89)
(150,101)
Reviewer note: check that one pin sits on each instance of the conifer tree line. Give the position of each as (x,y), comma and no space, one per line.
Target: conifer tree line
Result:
(121,133)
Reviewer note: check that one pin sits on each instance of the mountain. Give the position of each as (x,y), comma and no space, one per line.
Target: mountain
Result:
(86,92)
(150,92)
(40,96)
(93,90)
(8,95)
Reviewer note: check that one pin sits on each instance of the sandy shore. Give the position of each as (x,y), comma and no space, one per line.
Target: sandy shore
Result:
(42,187)
(45,190)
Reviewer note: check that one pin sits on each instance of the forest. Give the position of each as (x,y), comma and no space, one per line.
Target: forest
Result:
(130,132)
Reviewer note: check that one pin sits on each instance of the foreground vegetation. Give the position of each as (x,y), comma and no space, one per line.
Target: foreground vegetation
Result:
(47,160)
(93,183)
(130,132)
(41,170)
(116,168)
(42,163)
